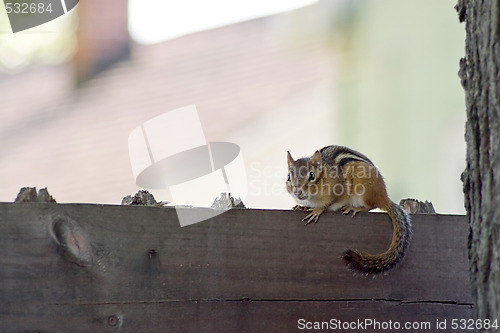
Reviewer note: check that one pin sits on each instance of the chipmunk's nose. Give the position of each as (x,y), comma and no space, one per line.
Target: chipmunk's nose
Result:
(299,194)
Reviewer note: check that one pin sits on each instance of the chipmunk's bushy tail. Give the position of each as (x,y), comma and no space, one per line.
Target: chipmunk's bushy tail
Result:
(374,264)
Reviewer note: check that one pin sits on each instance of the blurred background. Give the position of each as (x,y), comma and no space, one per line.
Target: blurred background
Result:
(379,76)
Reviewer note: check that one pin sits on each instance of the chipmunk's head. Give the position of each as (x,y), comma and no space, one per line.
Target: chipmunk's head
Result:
(302,179)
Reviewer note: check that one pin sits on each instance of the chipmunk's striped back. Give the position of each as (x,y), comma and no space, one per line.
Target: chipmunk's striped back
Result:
(340,155)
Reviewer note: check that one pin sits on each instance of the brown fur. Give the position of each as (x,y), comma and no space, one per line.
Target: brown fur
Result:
(341,178)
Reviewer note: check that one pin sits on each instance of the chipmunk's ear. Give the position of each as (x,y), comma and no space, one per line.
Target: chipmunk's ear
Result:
(316,159)
(290,158)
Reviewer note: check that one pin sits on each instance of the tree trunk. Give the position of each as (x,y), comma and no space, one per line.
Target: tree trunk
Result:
(480,75)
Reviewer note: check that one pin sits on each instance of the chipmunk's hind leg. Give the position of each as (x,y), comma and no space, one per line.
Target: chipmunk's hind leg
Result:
(356,204)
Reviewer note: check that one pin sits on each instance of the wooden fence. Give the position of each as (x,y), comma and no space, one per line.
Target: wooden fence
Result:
(103,268)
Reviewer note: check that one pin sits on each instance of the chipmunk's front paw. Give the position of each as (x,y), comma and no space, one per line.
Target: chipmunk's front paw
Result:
(314,215)
(301,208)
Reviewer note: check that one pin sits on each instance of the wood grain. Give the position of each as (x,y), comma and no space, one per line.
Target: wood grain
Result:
(135,269)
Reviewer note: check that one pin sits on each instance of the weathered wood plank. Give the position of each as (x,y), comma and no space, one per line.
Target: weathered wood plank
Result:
(238,316)
(138,262)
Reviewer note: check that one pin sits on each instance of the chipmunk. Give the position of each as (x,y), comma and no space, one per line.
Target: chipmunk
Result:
(339,178)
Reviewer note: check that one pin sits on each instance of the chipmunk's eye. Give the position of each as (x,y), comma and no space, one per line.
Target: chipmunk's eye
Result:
(311,176)
(288,178)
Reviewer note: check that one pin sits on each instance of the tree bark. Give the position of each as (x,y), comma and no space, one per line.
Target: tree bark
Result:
(480,75)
